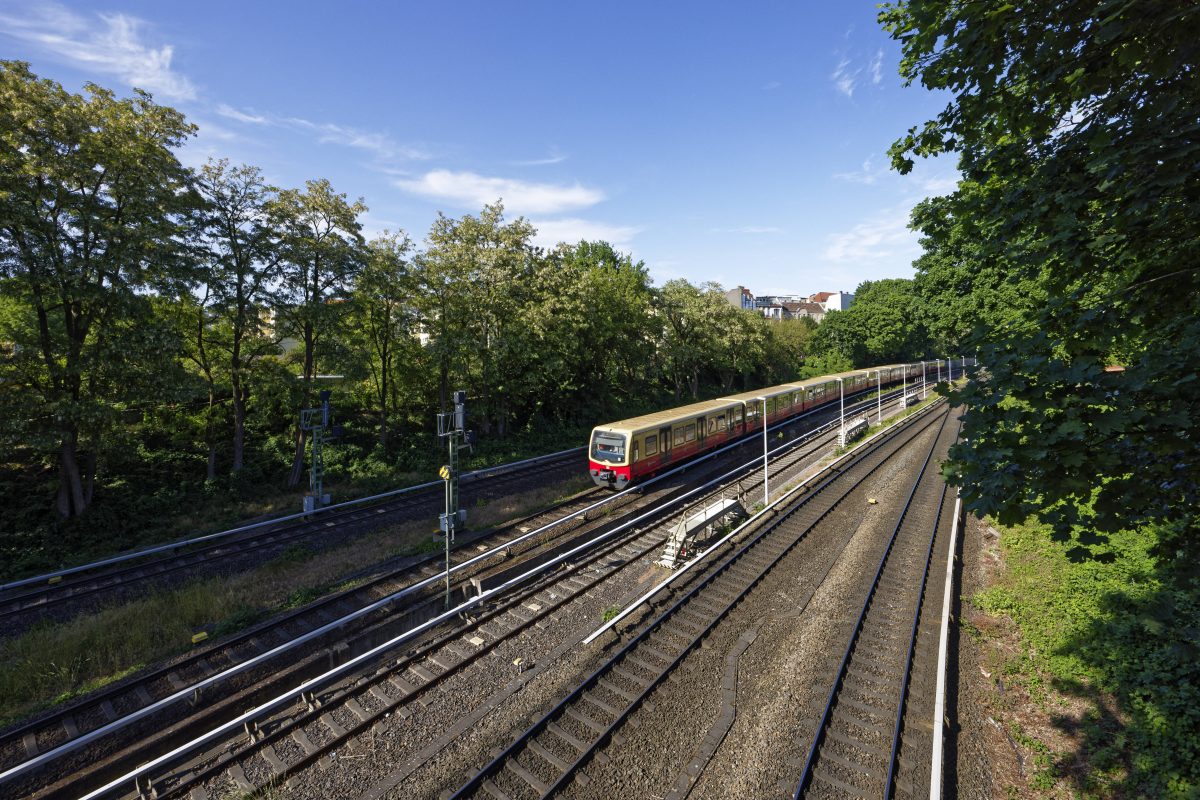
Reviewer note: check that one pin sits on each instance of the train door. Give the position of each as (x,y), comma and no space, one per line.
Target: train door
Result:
(664,436)
(700,431)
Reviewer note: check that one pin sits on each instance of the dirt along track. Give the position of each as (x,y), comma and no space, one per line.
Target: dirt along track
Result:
(364,637)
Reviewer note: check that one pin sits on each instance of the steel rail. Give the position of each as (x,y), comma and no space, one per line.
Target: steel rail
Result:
(201,655)
(490,615)
(53,754)
(175,545)
(498,762)
(912,646)
(839,677)
(674,576)
(939,701)
(142,553)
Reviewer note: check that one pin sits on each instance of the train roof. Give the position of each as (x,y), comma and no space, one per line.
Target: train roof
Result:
(662,418)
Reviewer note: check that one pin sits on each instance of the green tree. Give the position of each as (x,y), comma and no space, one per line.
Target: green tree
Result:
(1076,129)
(788,344)
(321,244)
(887,315)
(599,307)
(478,270)
(383,314)
(690,343)
(838,338)
(243,260)
(92,200)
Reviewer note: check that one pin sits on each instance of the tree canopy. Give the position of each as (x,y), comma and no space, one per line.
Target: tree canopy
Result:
(1070,248)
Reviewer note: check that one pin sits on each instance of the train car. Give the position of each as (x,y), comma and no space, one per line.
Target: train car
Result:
(621,453)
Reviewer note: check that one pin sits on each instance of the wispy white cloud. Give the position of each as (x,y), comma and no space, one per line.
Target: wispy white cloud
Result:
(552,231)
(241,116)
(330,133)
(877,67)
(110,44)
(750,229)
(380,144)
(867,175)
(471,190)
(885,236)
(555,157)
(845,79)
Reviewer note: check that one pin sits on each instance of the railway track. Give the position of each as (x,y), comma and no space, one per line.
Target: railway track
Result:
(22,603)
(856,746)
(70,723)
(547,755)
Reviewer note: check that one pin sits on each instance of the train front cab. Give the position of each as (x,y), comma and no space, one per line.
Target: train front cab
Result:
(608,458)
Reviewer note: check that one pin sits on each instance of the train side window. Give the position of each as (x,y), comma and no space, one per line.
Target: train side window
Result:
(679,436)
(689,433)
(651,444)
(737,416)
(712,425)
(636,457)
(721,423)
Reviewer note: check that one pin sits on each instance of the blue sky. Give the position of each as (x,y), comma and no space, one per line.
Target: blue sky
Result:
(743,144)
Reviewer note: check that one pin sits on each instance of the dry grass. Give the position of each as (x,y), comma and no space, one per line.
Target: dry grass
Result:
(54,663)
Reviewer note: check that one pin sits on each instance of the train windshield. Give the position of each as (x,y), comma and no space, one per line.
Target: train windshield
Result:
(608,447)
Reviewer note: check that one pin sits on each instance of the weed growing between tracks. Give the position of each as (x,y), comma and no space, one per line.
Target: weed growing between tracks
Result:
(1105,656)
(55,663)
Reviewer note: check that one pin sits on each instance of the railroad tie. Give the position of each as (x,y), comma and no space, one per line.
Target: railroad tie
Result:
(585,720)
(566,736)
(830,781)
(404,687)
(357,710)
(301,738)
(617,690)
(272,758)
(603,706)
(332,724)
(495,791)
(538,748)
(527,776)
(238,777)
(421,672)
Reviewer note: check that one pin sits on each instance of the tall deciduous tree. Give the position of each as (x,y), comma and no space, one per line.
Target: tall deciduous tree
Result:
(320,243)
(384,318)
(479,270)
(91,202)
(1078,134)
(243,258)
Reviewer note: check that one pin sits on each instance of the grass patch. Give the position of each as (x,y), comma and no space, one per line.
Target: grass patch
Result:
(610,613)
(1117,635)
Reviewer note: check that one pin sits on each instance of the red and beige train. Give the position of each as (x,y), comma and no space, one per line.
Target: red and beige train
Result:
(625,452)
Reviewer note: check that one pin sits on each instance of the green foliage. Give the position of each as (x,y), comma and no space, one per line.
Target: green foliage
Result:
(1118,625)
(92,206)
(1070,245)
